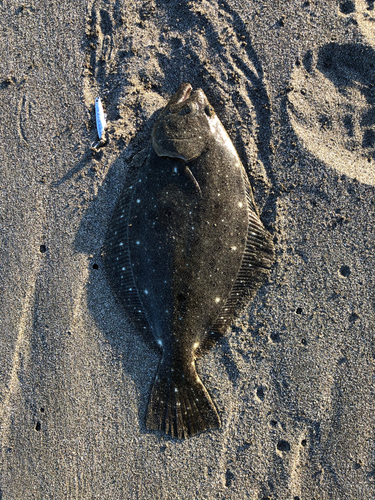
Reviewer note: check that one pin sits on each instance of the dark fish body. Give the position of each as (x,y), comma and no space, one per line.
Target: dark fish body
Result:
(184,249)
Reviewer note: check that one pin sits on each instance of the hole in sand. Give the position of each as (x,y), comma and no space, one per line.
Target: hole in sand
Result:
(345,271)
(283,445)
(347,7)
(260,393)
(275,337)
(229,477)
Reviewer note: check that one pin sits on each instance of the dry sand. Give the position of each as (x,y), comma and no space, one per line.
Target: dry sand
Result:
(294,85)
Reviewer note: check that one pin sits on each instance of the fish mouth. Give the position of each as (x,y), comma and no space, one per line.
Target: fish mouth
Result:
(186,94)
(182,94)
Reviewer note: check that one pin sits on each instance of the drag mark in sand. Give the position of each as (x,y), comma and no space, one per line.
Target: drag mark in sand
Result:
(24,108)
(21,356)
(209,44)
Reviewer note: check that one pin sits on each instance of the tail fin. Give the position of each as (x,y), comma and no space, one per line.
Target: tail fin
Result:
(180,404)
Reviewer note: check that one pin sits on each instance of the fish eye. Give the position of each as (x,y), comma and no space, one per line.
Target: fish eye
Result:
(209,110)
(185,110)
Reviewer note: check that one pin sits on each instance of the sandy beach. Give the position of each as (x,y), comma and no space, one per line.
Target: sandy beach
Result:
(294,85)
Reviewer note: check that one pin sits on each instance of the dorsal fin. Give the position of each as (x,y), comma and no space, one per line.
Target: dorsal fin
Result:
(257,260)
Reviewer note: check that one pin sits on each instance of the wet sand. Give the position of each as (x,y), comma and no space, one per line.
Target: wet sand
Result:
(293,380)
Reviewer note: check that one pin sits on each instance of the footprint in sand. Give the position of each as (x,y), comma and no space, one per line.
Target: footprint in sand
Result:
(364,14)
(331,103)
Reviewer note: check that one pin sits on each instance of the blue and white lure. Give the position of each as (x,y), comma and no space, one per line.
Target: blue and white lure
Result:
(100,121)
(100,118)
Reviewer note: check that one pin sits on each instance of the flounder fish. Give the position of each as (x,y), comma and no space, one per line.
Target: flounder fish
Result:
(184,250)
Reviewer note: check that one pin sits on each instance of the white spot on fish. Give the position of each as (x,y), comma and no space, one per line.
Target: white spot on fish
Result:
(217,300)
(196,344)
(240,204)
(121,244)
(234,248)
(160,342)
(138,201)
(138,242)
(146,292)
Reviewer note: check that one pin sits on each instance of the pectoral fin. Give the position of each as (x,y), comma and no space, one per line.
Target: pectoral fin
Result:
(192,180)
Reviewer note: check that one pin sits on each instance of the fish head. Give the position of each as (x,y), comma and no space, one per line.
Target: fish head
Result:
(183,129)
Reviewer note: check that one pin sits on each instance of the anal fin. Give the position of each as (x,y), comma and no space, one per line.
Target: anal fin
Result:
(257,260)
(116,256)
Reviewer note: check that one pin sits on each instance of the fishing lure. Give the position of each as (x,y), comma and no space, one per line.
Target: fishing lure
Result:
(100,123)
(100,117)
